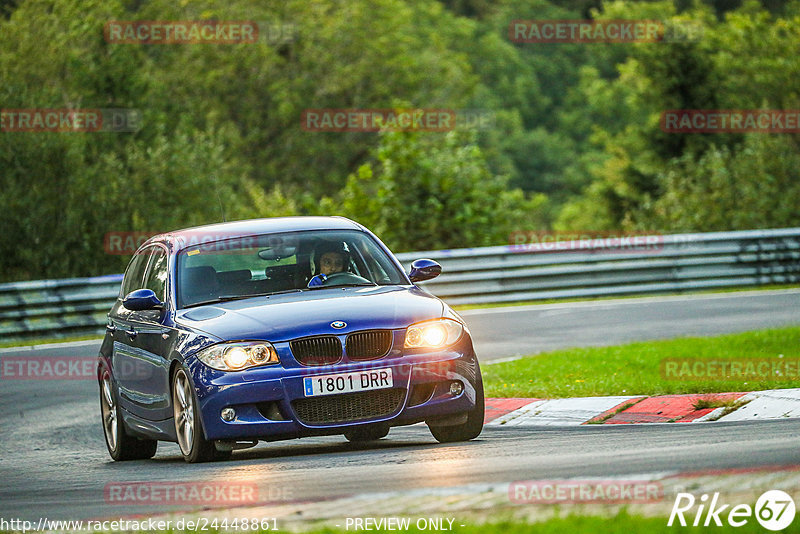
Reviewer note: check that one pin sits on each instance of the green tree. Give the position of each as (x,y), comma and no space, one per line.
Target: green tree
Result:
(756,185)
(431,191)
(742,62)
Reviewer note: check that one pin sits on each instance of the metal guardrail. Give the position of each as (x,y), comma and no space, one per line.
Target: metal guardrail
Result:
(56,308)
(510,273)
(605,267)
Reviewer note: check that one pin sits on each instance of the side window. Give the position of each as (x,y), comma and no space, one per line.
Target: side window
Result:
(134,274)
(157,274)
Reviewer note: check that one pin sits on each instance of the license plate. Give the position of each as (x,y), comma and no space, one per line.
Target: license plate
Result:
(347,382)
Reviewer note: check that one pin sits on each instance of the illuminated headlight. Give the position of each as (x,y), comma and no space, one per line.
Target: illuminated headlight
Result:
(433,334)
(238,356)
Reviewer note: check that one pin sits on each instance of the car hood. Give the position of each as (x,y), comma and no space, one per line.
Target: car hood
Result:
(292,315)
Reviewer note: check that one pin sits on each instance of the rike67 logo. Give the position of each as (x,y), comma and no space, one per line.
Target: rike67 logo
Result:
(774,510)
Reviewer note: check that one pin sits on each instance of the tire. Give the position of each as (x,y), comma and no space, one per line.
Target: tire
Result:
(465,431)
(194,446)
(368,433)
(120,445)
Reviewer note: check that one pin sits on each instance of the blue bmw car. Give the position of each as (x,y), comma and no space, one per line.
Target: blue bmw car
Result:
(270,329)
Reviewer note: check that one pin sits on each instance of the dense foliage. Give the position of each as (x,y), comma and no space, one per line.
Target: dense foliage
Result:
(574,143)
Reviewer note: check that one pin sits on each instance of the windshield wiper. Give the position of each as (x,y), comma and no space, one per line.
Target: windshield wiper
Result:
(297,290)
(350,284)
(204,302)
(225,298)
(241,296)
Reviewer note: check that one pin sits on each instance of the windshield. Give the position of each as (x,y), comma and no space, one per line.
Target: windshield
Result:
(274,263)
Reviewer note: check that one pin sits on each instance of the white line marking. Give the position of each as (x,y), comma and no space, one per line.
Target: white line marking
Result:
(66,344)
(509,359)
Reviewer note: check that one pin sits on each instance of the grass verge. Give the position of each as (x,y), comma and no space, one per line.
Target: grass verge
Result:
(636,368)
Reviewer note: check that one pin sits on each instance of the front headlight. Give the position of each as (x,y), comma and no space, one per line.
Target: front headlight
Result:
(238,356)
(434,334)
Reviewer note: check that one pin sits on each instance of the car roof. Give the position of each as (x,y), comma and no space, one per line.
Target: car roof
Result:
(187,237)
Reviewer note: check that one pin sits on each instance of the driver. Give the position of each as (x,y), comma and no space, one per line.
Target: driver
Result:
(329,258)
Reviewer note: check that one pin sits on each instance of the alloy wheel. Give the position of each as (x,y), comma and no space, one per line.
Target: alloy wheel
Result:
(183,403)
(109,410)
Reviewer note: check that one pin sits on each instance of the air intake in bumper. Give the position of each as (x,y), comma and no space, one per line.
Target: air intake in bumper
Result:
(349,407)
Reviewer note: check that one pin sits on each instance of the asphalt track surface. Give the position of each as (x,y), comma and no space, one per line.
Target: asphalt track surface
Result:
(53,461)
(514,331)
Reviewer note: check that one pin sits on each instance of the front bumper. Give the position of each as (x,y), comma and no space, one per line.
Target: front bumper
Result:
(270,402)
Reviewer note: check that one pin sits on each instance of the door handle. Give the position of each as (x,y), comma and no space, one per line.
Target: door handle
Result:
(132,333)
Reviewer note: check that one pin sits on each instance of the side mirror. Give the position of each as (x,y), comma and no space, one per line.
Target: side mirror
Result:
(424,270)
(142,299)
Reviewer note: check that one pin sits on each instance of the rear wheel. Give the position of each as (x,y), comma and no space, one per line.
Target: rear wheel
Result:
(120,445)
(369,433)
(467,430)
(193,444)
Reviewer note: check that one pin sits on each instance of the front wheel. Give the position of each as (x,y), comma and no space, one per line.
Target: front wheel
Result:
(120,445)
(467,430)
(194,446)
